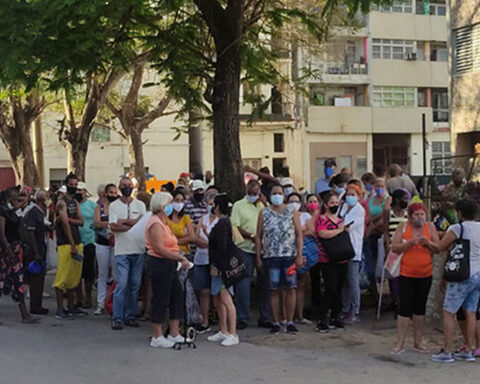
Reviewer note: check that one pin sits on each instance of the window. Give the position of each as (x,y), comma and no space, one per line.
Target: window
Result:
(440,104)
(276,98)
(57,176)
(397,6)
(100,134)
(345,162)
(438,8)
(279,167)
(394,96)
(278,142)
(422,97)
(441,161)
(392,49)
(254,163)
(467,49)
(439,52)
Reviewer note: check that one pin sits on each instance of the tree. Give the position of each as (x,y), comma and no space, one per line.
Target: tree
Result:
(135,119)
(18,111)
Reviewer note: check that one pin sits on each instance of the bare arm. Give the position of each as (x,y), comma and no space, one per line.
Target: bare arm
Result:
(262,175)
(79,220)
(189,235)
(199,240)
(309,229)
(299,239)
(258,240)
(62,216)
(431,245)
(398,245)
(97,219)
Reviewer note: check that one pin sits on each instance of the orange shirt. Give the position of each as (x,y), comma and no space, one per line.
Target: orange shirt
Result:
(417,261)
(170,241)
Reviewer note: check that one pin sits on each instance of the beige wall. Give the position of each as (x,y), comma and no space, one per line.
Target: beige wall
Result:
(409,73)
(408,26)
(339,119)
(401,120)
(464,12)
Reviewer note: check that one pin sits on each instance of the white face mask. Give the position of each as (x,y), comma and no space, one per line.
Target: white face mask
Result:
(295,205)
(178,206)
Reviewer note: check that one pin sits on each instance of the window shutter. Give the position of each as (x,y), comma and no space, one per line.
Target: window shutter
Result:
(463,50)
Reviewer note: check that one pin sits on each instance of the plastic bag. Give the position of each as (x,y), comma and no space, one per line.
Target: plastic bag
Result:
(52,255)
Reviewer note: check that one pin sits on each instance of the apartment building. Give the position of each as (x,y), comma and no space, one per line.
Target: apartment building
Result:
(464,63)
(375,83)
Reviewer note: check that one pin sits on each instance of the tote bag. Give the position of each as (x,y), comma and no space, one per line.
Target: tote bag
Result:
(457,264)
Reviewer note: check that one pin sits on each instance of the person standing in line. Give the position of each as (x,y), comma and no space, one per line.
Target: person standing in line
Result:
(11,266)
(163,256)
(181,224)
(398,180)
(196,207)
(244,218)
(104,245)
(87,236)
(70,250)
(201,273)
(124,213)
(322,185)
(279,246)
(353,215)
(221,246)
(417,240)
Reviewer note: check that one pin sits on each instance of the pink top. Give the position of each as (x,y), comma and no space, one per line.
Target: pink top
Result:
(323,223)
(170,241)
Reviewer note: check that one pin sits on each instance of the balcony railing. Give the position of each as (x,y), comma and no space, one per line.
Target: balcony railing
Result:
(352,69)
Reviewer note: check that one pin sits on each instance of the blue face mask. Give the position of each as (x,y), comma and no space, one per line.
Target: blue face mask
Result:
(329,172)
(211,210)
(288,191)
(277,200)
(351,200)
(168,209)
(252,199)
(379,191)
(368,187)
(339,191)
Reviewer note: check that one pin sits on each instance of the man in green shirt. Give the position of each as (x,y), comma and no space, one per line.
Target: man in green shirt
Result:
(244,218)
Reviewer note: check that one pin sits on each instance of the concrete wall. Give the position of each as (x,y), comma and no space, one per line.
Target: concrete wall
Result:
(339,119)
(401,120)
(464,12)
(409,73)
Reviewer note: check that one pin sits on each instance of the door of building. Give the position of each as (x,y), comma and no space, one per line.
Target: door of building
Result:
(391,148)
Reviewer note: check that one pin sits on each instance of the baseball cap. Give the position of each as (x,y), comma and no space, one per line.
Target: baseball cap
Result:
(81,185)
(197,184)
(62,189)
(286,181)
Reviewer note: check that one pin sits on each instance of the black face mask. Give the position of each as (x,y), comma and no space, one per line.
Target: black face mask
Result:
(111,199)
(198,197)
(72,191)
(126,191)
(403,204)
(78,197)
(334,209)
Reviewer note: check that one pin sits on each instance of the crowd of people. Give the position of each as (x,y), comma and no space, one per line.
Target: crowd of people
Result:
(194,255)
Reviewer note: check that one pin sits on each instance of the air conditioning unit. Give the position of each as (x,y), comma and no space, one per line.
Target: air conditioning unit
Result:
(411,56)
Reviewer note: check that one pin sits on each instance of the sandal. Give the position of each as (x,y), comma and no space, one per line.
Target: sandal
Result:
(421,349)
(396,351)
(477,352)
(31,320)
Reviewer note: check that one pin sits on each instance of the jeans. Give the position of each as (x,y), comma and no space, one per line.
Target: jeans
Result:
(242,291)
(128,274)
(351,289)
(334,276)
(105,260)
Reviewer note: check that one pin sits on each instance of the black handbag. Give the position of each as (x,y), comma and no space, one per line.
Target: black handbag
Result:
(338,248)
(233,269)
(457,264)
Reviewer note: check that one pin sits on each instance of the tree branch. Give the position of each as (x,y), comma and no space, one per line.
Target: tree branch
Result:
(213,14)
(112,108)
(131,100)
(67,103)
(155,113)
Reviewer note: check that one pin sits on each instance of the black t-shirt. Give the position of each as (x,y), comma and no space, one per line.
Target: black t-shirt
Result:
(12,224)
(72,213)
(35,223)
(220,242)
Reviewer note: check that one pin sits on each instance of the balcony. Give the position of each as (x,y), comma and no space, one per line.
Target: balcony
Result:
(340,73)
(409,73)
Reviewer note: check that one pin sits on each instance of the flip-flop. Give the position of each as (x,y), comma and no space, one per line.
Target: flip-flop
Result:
(421,349)
(477,352)
(396,353)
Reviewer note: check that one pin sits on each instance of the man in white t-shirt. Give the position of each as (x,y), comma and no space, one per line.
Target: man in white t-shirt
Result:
(464,294)
(124,213)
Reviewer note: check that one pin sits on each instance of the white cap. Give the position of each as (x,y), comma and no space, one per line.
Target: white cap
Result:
(62,189)
(198,184)
(284,181)
(81,185)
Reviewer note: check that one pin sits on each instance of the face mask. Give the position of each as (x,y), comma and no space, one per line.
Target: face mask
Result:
(198,196)
(418,222)
(403,204)
(295,205)
(111,199)
(71,190)
(78,197)
(126,191)
(9,206)
(252,199)
(288,191)
(379,191)
(339,191)
(333,209)
(328,172)
(277,200)
(168,209)
(351,200)
(178,206)
(312,207)
(211,210)
(368,187)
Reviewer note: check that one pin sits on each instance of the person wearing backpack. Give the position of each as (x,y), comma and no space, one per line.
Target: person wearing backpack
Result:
(463,293)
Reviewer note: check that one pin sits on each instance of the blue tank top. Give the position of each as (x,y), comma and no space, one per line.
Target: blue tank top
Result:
(376,210)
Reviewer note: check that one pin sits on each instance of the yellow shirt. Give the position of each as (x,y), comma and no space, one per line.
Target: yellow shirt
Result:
(179,229)
(245,216)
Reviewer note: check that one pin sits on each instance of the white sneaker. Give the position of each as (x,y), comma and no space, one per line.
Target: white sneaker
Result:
(219,336)
(161,342)
(230,340)
(99,311)
(177,339)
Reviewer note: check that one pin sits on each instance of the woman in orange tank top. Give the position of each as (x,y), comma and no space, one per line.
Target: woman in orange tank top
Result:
(417,240)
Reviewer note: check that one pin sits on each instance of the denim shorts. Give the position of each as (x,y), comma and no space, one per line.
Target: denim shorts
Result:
(201,277)
(277,273)
(217,286)
(464,294)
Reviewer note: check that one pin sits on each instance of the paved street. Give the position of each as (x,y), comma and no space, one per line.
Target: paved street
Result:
(85,351)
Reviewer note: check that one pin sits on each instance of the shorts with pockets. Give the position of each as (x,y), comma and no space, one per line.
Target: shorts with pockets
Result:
(277,272)
(465,294)
(69,270)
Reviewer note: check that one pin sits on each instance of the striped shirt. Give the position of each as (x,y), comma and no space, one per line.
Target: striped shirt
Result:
(395,221)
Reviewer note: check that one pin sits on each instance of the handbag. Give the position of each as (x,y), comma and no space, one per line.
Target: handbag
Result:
(457,264)
(338,248)
(393,263)
(310,254)
(232,268)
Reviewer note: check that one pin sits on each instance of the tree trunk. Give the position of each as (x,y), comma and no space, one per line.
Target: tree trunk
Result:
(135,151)
(226,124)
(195,150)
(38,150)
(77,156)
